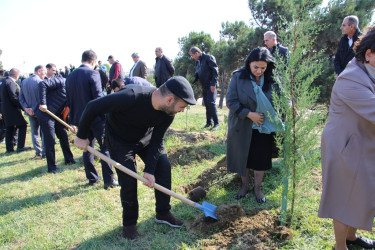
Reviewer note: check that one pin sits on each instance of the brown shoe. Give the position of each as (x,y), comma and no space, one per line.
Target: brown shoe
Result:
(168,219)
(130,232)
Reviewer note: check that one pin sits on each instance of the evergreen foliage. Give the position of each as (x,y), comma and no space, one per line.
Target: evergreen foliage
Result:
(297,104)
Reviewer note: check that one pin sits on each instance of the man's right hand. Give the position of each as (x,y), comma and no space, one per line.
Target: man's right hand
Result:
(73,129)
(1,116)
(29,111)
(81,143)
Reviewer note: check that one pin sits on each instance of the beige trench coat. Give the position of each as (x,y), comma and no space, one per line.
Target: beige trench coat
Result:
(348,150)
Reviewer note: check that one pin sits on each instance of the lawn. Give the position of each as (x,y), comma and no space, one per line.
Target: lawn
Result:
(39,210)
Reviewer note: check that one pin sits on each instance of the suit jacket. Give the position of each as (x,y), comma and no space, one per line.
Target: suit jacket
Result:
(163,70)
(206,70)
(344,53)
(140,70)
(11,107)
(348,150)
(82,86)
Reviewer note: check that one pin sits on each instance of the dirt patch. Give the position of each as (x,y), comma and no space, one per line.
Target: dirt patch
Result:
(225,214)
(186,155)
(251,230)
(216,175)
(192,137)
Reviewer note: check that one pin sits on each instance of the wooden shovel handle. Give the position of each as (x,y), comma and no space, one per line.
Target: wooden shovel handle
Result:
(138,177)
(58,119)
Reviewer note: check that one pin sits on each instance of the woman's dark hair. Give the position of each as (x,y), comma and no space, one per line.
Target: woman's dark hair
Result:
(366,42)
(261,54)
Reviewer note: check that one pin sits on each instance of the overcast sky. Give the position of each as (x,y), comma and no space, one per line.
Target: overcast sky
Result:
(42,31)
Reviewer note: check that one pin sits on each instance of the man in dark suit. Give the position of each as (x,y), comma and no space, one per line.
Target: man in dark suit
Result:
(163,67)
(12,115)
(82,86)
(270,39)
(345,52)
(52,96)
(139,68)
(206,71)
(2,125)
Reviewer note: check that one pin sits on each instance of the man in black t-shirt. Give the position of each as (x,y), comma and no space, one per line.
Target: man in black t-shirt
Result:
(137,119)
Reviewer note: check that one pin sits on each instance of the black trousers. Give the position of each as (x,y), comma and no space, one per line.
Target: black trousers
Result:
(125,155)
(209,100)
(11,137)
(2,130)
(50,127)
(97,133)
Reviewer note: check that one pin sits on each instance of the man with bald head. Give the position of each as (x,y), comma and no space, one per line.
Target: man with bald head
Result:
(345,52)
(163,67)
(270,39)
(11,108)
(29,99)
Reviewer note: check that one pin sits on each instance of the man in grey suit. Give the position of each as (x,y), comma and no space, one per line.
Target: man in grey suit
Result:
(29,99)
(139,68)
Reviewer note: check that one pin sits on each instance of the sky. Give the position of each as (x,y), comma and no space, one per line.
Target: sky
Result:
(53,31)
(44,31)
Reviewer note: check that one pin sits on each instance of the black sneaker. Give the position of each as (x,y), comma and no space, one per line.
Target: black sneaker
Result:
(215,127)
(168,219)
(130,232)
(363,242)
(36,157)
(114,183)
(70,162)
(19,150)
(54,171)
(207,126)
(94,182)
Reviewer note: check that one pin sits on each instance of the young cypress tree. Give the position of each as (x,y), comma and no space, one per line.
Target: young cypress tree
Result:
(297,105)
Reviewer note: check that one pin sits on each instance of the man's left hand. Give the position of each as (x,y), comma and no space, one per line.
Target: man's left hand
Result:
(43,108)
(151,180)
(213,88)
(81,143)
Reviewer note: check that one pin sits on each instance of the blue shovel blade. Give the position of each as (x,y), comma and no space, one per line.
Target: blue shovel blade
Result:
(208,209)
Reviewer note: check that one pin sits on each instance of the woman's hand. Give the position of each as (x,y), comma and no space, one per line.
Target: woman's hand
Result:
(257,118)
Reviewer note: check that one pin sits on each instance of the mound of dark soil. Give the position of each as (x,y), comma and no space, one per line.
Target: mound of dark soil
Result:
(226,214)
(192,137)
(186,155)
(253,230)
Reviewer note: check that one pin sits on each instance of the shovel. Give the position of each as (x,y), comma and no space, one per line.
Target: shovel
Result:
(207,208)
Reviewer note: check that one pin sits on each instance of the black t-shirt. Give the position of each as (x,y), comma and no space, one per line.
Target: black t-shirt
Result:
(131,119)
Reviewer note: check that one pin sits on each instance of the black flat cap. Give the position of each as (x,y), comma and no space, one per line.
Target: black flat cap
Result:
(109,57)
(179,86)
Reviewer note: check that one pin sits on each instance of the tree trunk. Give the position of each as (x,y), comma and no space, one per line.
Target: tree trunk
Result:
(222,87)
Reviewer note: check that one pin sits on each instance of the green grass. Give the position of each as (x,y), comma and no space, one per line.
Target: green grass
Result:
(44,211)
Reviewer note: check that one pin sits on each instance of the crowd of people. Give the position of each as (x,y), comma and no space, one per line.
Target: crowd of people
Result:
(128,116)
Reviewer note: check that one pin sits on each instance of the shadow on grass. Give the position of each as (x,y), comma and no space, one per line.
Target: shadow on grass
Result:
(26,176)
(37,172)
(7,207)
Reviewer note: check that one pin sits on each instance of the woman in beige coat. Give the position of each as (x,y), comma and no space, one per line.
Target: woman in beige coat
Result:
(348,150)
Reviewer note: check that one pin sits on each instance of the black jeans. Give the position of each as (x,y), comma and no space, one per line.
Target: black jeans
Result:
(97,132)
(11,135)
(125,155)
(209,99)
(50,127)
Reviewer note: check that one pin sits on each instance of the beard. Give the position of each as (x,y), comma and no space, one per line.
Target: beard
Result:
(169,110)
